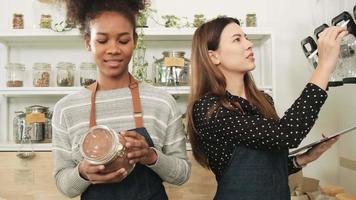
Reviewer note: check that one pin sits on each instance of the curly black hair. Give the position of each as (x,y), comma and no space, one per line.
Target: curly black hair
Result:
(82,11)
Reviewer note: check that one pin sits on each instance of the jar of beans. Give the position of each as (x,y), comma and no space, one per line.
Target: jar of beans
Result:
(87,73)
(14,74)
(17,21)
(65,74)
(41,74)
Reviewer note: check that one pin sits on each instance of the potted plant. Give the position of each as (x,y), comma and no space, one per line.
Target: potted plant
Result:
(171,21)
(199,19)
(141,20)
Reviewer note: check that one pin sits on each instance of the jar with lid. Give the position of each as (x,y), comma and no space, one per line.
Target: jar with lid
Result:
(17,21)
(65,74)
(46,21)
(251,20)
(87,73)
(171,70)
(41,74)
(35,123)
(103,146)
(14,74)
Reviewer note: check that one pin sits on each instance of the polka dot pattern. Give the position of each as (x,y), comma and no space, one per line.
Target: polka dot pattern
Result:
(220,130)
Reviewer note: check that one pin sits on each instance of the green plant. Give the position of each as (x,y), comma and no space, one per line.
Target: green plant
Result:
(171,21)
(141,20)
(199,19)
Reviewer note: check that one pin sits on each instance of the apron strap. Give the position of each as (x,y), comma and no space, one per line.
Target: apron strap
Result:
(136,101)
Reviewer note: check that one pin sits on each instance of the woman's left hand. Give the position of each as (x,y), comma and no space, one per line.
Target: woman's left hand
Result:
(138,149)
(315,152)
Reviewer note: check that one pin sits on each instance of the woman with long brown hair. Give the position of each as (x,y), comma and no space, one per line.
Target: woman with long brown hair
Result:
(233,127)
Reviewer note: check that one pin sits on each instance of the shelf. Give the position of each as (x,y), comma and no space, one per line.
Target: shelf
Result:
(33,91)
(151,34)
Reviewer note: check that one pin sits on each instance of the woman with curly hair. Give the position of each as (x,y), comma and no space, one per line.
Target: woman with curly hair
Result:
(157,144)
(233,127)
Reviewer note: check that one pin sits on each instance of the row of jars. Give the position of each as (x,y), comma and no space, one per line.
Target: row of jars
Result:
(15,74)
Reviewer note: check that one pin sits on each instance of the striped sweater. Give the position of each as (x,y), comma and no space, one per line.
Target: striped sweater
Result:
(162,120)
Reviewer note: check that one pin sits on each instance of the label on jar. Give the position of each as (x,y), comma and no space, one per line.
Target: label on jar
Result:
(173,62)
(35,118)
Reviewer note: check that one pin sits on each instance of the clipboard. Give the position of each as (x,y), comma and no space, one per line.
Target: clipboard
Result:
(311,145)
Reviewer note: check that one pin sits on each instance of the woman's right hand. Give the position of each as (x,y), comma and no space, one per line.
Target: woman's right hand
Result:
(328,51)
(94,173)
(329,46)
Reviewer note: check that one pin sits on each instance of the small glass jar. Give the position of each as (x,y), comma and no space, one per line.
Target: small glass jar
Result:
(251,20)
(65,74)
(15,74)
(17,21)
(41,74)
(46,21)
(103,146)
(87,73)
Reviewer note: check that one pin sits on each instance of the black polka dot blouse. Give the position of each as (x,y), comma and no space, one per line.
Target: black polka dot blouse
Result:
(220,133)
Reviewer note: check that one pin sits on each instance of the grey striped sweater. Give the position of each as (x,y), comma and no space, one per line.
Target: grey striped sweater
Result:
(162,120)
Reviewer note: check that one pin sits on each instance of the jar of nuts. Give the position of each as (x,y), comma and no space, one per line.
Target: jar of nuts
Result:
(87,73)
(17,21)
(41,74)
(14,74)
(65,74)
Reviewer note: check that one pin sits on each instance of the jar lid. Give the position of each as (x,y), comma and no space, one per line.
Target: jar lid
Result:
(251,15)
(17,66)
(36,108)
(18,15)
(39,66)
(87,65)
(65,65)
(100,145)
(177,54)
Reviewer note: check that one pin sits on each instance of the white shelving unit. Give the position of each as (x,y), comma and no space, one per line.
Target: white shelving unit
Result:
(30,45)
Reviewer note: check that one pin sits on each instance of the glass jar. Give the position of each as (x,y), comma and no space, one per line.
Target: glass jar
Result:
(103,146)
(251,20)
(46,21)
(171,70)
(14,74)
(87,73)
(65,74)
(17,21)
(41,74)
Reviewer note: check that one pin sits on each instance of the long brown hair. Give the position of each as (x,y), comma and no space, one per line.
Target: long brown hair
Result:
(208,79)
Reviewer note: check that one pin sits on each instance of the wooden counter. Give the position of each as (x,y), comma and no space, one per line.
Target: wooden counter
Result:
(33,180)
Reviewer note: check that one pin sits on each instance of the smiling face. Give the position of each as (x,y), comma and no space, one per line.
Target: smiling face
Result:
(234,54)
(111,42)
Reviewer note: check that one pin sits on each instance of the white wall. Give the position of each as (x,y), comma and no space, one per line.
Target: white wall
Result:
(291,21)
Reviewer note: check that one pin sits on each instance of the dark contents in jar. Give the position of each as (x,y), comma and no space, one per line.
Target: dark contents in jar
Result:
(66,82)
(86,81)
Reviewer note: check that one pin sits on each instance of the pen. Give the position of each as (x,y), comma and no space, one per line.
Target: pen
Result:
(316,51)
